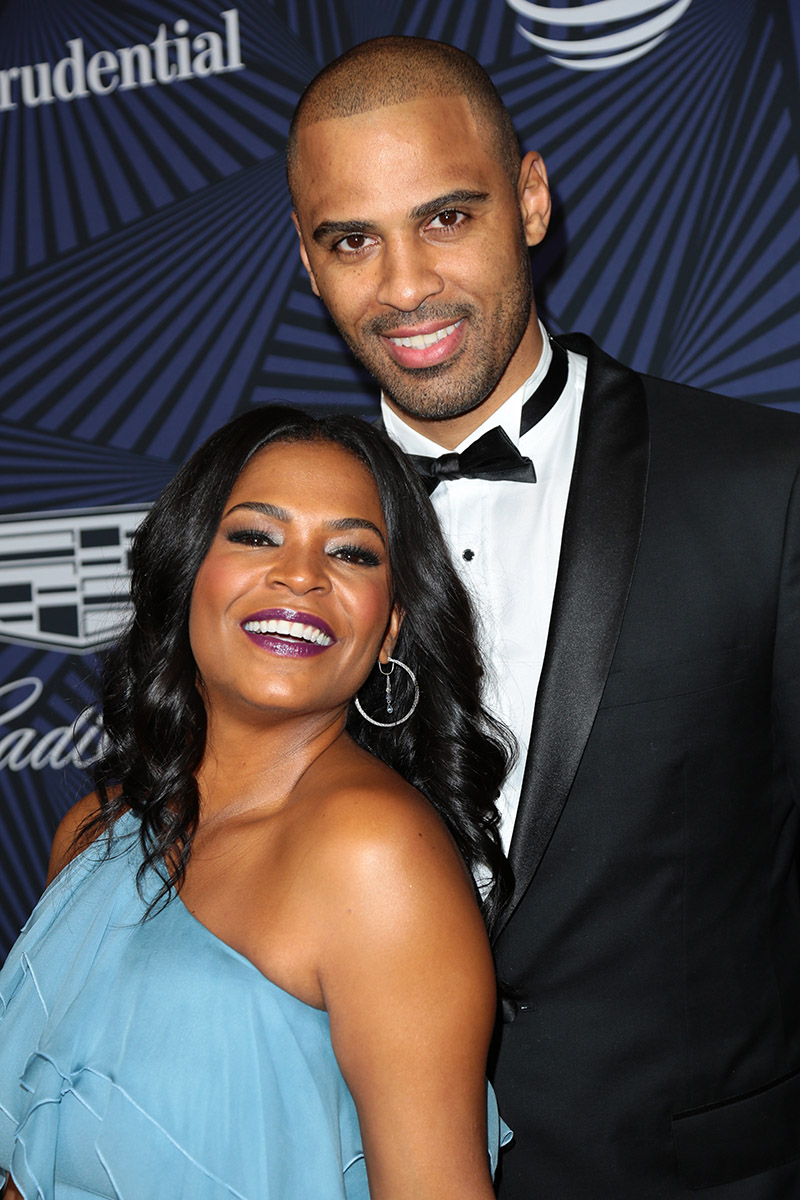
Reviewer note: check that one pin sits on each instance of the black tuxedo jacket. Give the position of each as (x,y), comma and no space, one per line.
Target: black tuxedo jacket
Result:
(651,1044)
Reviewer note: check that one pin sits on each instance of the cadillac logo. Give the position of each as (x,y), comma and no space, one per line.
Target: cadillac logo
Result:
(64,577)
(620,37)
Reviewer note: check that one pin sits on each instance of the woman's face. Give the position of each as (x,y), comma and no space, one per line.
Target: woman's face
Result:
(293,602)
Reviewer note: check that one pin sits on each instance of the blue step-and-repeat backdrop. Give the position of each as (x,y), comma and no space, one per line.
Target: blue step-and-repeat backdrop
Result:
(150,286)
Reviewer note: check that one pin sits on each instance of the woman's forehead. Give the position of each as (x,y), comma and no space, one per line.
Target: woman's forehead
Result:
(308,474)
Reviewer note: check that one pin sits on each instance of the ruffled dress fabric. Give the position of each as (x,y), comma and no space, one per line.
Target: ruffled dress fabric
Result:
(148,1058)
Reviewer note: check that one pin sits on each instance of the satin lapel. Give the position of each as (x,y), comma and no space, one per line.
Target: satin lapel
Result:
(602,529)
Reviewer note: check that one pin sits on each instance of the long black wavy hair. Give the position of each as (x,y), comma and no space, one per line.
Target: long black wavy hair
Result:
(154,718)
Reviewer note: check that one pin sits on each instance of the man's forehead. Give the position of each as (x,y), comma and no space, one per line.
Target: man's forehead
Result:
(373,101)
(417,115)
(398,156)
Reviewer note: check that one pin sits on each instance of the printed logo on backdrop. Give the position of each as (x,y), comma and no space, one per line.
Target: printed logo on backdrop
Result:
(27,748)
(604,33)
(167,59)
(64,585)
(65,576)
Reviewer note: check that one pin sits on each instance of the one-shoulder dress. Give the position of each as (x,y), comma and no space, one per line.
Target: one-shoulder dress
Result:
(147,1058)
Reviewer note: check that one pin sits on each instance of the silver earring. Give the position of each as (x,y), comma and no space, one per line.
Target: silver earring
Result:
(388,672)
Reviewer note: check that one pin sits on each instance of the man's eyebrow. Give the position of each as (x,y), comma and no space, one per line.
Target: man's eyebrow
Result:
(451,200)
(344,523)
(329,229)
(339,229)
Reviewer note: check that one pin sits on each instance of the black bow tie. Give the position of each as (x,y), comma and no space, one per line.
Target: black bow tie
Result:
(493,455)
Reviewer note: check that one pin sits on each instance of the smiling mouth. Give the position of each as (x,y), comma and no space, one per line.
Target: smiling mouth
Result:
(291,631)
(421,341)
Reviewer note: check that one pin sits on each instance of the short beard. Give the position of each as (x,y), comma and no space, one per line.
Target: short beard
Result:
(414,390)
(419,396)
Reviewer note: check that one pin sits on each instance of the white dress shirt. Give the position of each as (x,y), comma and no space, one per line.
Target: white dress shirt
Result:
(505,539)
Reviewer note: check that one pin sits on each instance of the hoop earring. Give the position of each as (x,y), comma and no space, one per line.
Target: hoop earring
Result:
(388,672)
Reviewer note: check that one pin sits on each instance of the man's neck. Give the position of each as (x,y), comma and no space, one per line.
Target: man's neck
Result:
(452,431)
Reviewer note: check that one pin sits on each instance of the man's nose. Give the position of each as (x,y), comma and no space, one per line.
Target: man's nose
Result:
(409,274)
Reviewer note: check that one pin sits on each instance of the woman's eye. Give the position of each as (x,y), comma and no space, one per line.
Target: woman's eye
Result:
(251,537)
(359,555)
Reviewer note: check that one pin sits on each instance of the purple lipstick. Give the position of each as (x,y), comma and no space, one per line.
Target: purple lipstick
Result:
(289,633)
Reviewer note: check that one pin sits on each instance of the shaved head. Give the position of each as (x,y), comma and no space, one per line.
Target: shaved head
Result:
(394,70)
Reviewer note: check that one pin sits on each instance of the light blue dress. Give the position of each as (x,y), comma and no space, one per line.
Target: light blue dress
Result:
(148,1058)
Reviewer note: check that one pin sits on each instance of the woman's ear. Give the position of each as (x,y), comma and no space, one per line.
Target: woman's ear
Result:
(395,621)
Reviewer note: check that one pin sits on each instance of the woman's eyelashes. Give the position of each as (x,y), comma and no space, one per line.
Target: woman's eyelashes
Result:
(360,555)
(252,537)
(357,555)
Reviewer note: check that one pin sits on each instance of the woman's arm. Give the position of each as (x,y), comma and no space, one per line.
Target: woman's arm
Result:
(408,982)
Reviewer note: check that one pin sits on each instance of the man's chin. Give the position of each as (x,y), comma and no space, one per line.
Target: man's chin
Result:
(430,407)
(425,401)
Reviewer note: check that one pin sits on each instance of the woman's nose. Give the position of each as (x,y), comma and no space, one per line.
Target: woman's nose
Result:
(300,570)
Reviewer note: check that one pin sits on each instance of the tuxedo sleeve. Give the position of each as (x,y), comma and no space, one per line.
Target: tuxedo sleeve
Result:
(786,667)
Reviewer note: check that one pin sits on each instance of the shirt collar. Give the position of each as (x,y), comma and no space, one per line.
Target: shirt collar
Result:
(508,415)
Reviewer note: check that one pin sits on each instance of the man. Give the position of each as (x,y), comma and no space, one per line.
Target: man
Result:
(638,580)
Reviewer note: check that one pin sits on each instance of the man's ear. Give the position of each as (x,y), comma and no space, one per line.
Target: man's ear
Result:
(534,197)
(304,255)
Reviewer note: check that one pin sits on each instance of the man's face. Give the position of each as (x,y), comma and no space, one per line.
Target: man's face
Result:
(416,240)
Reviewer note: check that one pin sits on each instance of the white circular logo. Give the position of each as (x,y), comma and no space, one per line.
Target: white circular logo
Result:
(610,48)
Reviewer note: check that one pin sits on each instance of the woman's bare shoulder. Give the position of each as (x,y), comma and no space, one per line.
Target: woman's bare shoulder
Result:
(404,968)
(372,811)
(68,840)
(384,861)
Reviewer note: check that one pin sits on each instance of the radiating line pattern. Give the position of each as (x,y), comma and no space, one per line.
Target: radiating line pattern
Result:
(46,472)
(158,323)
(677,234)
(150,285)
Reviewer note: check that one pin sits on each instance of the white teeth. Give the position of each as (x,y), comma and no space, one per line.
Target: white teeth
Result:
(295,629)
(420,341)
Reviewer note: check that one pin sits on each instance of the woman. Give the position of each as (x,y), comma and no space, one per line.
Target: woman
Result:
(261,970)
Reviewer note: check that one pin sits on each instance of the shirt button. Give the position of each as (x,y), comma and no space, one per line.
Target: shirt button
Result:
(468,555)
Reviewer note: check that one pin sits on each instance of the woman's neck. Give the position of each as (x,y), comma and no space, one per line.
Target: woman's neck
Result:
(251,766)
